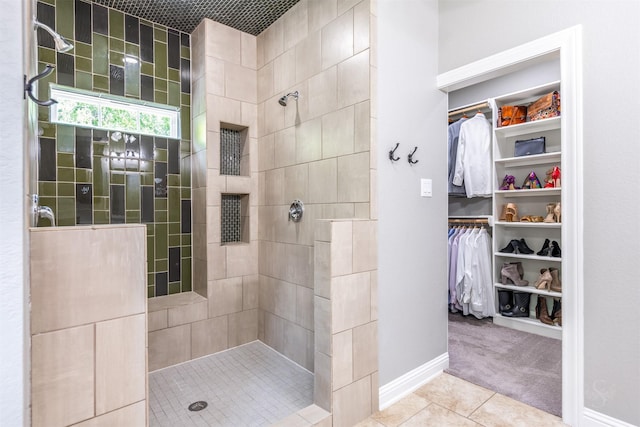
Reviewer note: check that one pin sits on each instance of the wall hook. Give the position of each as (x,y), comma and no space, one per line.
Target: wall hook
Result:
(410,157)
(392,153)
(28,87)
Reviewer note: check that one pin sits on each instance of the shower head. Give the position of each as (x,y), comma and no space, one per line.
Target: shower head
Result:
(62,45)
(283,100)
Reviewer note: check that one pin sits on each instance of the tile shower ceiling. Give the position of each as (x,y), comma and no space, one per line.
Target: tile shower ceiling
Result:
(250,16)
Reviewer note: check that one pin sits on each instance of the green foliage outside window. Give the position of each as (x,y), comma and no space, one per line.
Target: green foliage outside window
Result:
(154,124)
(80,113)
(119,118)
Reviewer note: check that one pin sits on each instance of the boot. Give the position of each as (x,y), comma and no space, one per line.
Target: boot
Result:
(556,284)
(523,248)
(545,248)
(544,280)
(542,313)
(505,300)
(520,305)
(509,273)
(555,249)
(556,312)
(518,265)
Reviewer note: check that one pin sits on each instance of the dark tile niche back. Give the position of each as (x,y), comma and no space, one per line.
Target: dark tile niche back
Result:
(83,148)
(84,204)
(47,15)
(174,264)
(184,39)
(100,19)
(116,80)
(65,69)
(161,179)
(47,161)
(83,22)
(131,32)
(146,147)
(146,43)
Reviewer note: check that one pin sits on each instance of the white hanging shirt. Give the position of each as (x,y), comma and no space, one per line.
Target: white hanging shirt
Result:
(473,159)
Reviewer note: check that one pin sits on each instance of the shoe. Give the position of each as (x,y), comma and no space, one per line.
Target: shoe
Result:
(545,248)
(508,183)
(556,312)
(544,280)
(556,284)
(548,181)
(510,273)
(511,248)
(555,176)
(551,216)
(523,248)
(531,218)
(518,265)
(531,182)
(555,249)
(520,305)
(511,212)
(505,300)
(542,313)
(556,212)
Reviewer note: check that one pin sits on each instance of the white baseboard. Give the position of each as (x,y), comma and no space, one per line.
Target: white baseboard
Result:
(391,392)
(592,418)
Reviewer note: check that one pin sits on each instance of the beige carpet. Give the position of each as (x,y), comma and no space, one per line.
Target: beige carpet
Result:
(523,366)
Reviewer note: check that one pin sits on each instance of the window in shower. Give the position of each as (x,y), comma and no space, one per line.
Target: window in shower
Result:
(234,150)
(235,218)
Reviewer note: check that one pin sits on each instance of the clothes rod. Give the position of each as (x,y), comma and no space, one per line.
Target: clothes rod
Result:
(470,108)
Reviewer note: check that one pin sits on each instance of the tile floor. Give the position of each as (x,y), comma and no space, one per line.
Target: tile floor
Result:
(451,401)
(250,385)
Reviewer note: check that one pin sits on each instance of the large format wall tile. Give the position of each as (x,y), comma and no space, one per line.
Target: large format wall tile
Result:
(169,346)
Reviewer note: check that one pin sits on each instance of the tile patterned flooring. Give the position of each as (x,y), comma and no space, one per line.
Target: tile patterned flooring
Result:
(250,385)
(451,401)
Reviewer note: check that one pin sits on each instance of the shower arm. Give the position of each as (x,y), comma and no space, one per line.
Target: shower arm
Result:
(28,87)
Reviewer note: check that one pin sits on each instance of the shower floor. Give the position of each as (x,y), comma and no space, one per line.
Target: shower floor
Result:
(249,385)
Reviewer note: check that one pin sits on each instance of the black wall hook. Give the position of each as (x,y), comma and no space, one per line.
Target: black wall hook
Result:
(392,153)
(28,87)
(410,157)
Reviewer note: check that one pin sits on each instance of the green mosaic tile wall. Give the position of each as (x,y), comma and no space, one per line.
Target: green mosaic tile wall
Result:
(102,177)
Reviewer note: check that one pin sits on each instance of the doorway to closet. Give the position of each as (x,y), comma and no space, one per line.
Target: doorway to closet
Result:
(510,346)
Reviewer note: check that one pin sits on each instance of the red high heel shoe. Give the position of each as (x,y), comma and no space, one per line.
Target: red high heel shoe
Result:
(548,181)
(555,176)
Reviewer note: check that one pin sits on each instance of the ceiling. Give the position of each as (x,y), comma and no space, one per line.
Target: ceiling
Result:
(250,16)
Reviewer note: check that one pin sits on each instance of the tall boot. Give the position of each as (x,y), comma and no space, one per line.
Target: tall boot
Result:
(505,300)
(542,312)
(556,312)
(520,305)
(556,284)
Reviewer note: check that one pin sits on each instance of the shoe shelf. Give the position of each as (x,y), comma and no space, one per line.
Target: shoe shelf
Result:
(536,192)
(529,324)
(536,159)
(543,125)
(530,289)
(531,257)
(541,225)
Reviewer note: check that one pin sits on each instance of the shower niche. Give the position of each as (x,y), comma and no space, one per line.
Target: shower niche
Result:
(234,219)
(234,150)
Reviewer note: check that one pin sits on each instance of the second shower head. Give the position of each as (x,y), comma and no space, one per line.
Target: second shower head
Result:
(283,100)
(62,44)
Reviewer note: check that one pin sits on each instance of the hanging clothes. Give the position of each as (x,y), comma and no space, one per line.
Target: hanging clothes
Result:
(473,159)
(452,145)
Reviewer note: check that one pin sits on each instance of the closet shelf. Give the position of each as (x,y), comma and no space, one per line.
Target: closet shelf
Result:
(531,257)
(538,192)
(528,224)
(536,159)
(529,127)
(529,289)
(529,324)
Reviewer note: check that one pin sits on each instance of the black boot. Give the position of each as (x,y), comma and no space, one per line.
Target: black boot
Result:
(520,305)
(523,248)
(505,299)
(555,249)
(556,312)
(545,248)
(510,248)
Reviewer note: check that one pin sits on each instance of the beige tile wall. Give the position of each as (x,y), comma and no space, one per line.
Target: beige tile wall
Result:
(89,325)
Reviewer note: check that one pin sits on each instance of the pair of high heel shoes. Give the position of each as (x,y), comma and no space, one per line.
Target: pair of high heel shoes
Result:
(549,280)
(553,178)
(554,213)
(516,246)
(530,182)
(542,312)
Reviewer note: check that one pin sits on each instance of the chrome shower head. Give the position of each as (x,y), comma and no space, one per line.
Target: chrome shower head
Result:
(283,100)
(62,45)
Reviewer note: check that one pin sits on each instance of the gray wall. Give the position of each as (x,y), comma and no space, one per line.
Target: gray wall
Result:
(412,230)
(611,35)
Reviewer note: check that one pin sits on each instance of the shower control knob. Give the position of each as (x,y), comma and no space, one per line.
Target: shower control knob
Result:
(296,210)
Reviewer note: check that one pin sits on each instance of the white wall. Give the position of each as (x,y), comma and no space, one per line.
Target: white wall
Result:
(611,35)
(411,230)
(13,361)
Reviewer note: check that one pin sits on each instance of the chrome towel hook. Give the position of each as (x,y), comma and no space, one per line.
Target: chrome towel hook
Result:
(410,157)
(28,87)
(393,152)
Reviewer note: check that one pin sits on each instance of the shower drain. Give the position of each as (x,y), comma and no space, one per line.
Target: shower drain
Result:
(198,406)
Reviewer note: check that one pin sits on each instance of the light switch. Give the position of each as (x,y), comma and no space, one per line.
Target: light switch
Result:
(426,188)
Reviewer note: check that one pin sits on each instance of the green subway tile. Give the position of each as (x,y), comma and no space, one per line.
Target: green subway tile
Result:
(117,177)
(66,214)
(84,64)
(101,203)
(161,216)
(174,240)
(186,239)
(145,22)
(160,85)
(43,114)
(100,149)
(48,129)
(66,139)
(185,52)
(46,189)
(174,204)
(151,241)
(132,50)
(161,245)
(82,49)
(116,58)
(185,99)
(185,122)
(100,54)
(174,228)
(100,83)
(100,176)
(116,45)
(84,80)
(174,94)
(146,68)
(151,280)
(147,178)
(185,193)
(66,174)
(174,75)
(160,155)
(146,166)
(66,189)
(132,165)
(84,175)
(52,202)
(151,291)
(132,78)
(162,264)
(185,272)
(101,217)
(186,251)
(65,19)
(132,199)
(66,160)
(53,2)
(116,24)
(160,97)
(161,204)
(46,55)
(173,180)
(132,217)
(150,229)
(174,288)
(160,59)
(160,33)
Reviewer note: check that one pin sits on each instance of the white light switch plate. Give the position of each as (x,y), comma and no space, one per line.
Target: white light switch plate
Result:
(426,188)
